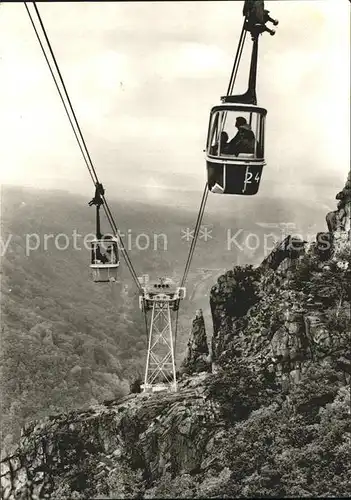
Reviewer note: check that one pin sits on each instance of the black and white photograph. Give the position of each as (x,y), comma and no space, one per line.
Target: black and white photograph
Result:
(175,249)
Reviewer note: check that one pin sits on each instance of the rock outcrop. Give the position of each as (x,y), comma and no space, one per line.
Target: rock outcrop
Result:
(79,453)
(285,309)
(281,318)
(285,254)
(339,222)
(197,356)
(344,207)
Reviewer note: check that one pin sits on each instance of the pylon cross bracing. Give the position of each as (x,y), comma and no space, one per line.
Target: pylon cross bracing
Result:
(161,299)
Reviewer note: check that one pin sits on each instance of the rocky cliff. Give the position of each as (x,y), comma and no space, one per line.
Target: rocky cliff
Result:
(281,315)
(273,419)
(197,357)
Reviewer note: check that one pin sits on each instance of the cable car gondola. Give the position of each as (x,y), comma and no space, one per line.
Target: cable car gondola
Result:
(104,259)
(104,249)
(235,167)
(236,132)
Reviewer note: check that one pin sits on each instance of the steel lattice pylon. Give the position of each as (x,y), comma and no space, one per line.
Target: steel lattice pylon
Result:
(160,363)
(161,299)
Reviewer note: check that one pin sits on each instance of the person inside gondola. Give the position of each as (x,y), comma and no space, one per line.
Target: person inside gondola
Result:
(100,257)
(224,144)
(110,255)
(215,175)
(243,141)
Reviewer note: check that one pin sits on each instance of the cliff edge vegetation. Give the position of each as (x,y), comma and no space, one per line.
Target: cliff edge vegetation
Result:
(263,410)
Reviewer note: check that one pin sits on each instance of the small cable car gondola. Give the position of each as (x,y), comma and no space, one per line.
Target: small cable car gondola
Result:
(236,132)
(104,259)
(104,249)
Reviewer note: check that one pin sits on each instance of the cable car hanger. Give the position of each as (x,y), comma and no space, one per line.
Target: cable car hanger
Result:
(255,21)
(235,166)
(98,201)
(104,264)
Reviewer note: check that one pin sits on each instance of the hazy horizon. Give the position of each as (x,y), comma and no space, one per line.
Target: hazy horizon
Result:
(142,91)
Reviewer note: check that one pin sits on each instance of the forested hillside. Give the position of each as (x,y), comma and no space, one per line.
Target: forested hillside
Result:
(267,416)
(67,342)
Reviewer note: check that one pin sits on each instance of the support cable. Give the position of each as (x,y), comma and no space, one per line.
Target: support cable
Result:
(196,233)
(59,91)
(191,252)
(79,136)
(237,60)
(88,161)
(235,69)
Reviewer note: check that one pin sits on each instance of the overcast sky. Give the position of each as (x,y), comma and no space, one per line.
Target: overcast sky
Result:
(143,77)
